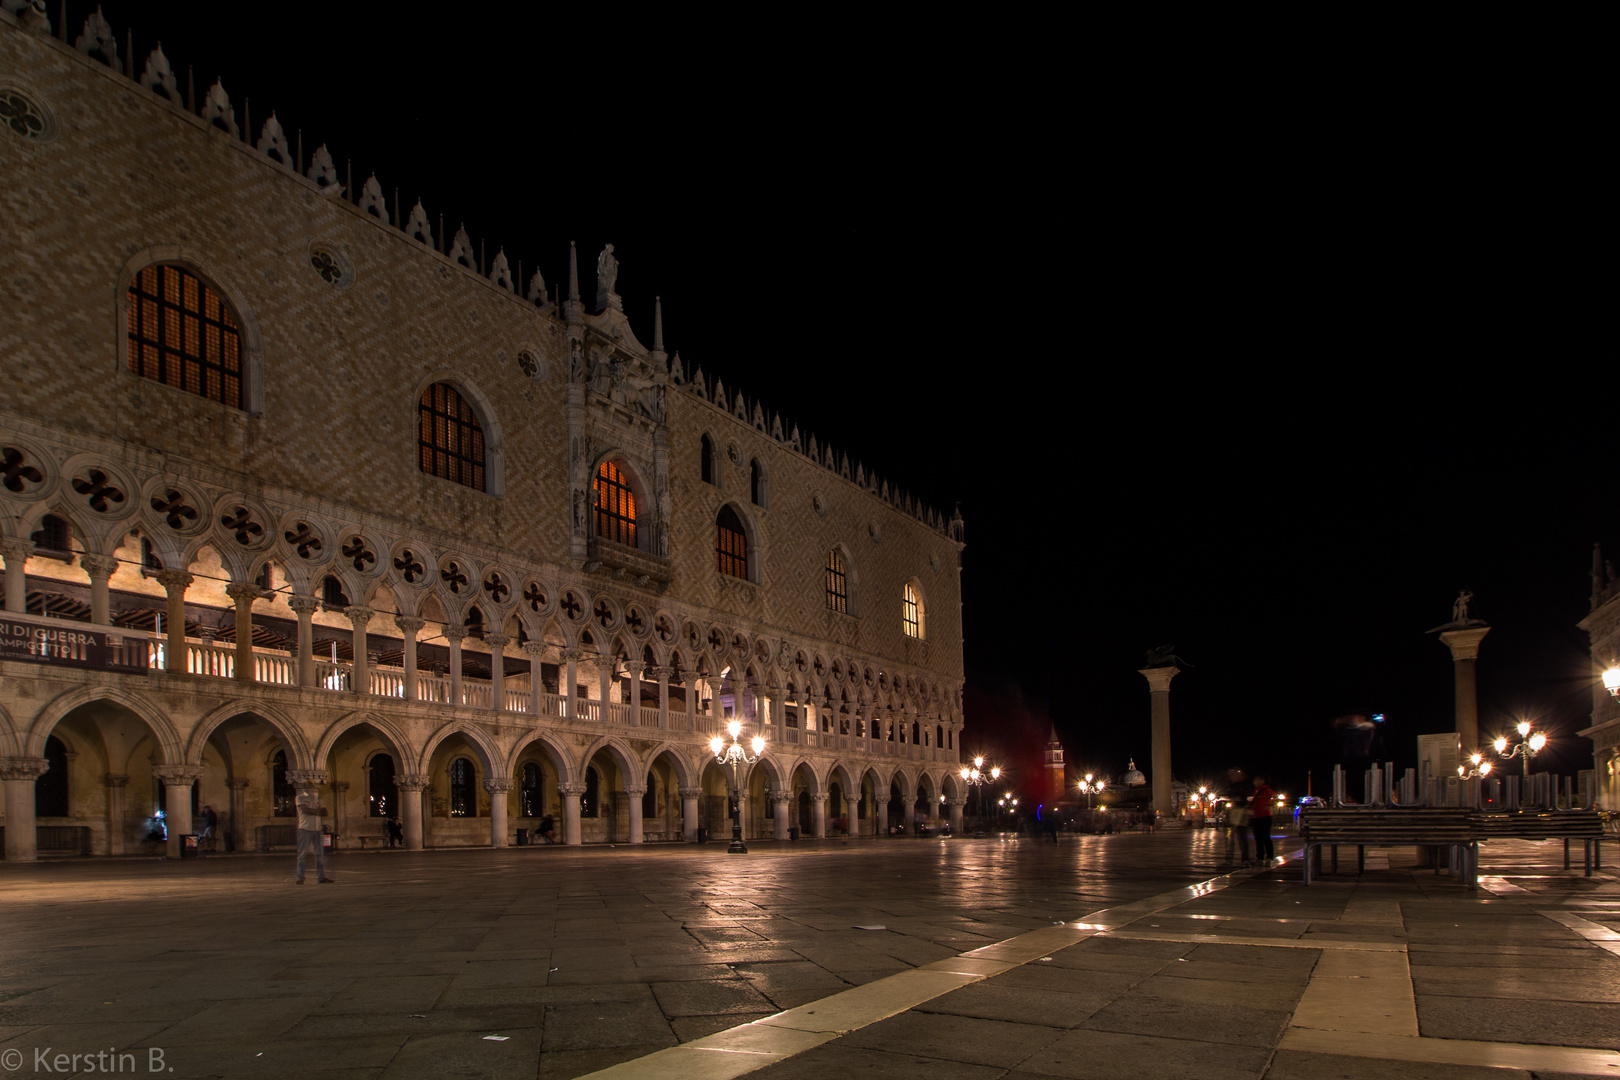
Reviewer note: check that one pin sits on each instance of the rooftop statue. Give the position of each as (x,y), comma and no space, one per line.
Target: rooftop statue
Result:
(607,278)
(1164,656)
(1460,617)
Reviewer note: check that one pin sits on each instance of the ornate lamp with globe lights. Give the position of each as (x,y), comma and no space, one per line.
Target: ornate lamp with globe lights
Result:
(1477,767)
(976,775)
(735,756)
(1092,785)
(1529,744)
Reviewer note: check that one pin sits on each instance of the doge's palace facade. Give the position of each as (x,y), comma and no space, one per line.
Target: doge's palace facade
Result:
(297,490)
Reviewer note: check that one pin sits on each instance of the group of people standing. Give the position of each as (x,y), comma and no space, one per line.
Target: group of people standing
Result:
(1251,816)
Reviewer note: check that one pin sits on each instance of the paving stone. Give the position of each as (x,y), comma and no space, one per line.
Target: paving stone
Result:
(1140,1012)
(589,1026)
(967,1039)
(1526,1020)
(709,998)
(994,999)
(843,1060)
(1297,1065)
(1106,1055)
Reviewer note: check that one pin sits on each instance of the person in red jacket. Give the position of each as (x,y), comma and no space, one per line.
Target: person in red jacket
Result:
(1260,804)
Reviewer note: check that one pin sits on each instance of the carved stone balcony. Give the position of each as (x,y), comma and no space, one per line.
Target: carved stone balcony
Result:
(640,568)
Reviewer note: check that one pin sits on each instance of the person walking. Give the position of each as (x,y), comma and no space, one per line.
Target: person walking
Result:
(209,821)
(1237,831)
(1260,804)
(396,833)
(310,816)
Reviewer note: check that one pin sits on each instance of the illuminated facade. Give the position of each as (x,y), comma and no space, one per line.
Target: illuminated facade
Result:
(296,491)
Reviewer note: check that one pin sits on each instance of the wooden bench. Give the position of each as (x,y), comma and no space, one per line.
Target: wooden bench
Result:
(1566,825)
(1448,827)
(278,836)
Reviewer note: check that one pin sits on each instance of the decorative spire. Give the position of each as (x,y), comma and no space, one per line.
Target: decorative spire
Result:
(658,324)
(573,273)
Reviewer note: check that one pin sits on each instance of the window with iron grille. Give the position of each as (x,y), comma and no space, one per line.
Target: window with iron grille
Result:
(911,613)
(450,437)
(463,792)
(533,801)
(837,582)
(615,506)
(183,334)
(383,793)
(730,544)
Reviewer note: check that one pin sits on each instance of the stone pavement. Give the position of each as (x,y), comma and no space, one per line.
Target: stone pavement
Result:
(1114,956)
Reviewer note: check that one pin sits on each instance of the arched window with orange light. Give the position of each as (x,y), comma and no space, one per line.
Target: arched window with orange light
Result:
(615,505)
(450,440)
(730,544)
(912,613)
(183,334)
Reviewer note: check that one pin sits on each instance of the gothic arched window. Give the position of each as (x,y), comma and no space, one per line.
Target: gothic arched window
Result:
(730,544)
(463,791)
(183,334)
(710,468)
(837,582)
(757,491)
(449,437)
(532,802)
(590,803)
(282,791)
(51,788)
(649,798)
(615,506)
(382,791)
(911,611)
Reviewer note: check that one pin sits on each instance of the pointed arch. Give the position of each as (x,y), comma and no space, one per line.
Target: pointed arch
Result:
(278,721)
(489,754)
(426,403)
(168,739)
(629,762)
(686,775)
(146,275)
(385,728)
(568,770)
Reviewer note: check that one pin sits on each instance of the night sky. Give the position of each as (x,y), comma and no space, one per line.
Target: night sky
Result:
(1266,361)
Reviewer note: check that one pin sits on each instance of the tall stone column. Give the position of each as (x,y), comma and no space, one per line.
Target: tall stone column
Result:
(410,804)
(1159,688)
(497,670)
(691,683)
(1464,646)
(499,790)
(852,810)
(177,781)
(360,682)
(454,635)
(18,775)
(16,552)
(239,821)
(635,668)
(689,813)
(604,682)
(100,568)
(304,606)
(638,834)
(818,814)
(242,594)
(571,674)
(409,627)
(570,806)
(537,685)
(662,674)
(174,584)
(115,812)
(956,816)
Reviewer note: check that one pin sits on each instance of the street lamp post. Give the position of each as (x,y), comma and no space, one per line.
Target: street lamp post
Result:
(1092,785)
(735,756)
(1529,745)
(977,775)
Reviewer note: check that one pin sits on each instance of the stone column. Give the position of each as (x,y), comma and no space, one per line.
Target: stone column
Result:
(409,627)
(779,803)
(454,635)
(115,812)
(604,682)
(689,813)
(360,681)
(174,584)
(100,568)
(1159,689)
(818,814)
(691,682)
(776,713)
(662,674)
(852,809)
(1464,646)
(304,606)
(637,826)
(497,670)
(177,781)
(570,805)
(239,823)
(18,775)
(498,790)
(16,552)
(410,804)
(635,668)
(956,816)
(571,688)
(537,685)
(242,594)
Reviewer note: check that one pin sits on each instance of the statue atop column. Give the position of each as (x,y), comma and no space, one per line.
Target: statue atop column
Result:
(607,278)
(1460,617)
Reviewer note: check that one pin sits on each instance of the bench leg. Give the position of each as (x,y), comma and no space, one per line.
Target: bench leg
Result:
(1361,859)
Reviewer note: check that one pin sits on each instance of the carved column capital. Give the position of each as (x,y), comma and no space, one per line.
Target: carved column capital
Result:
(635,667)
(411,782)
(779,799)
(237,783)
(573,653)
(173,579)
(535,649)
(497,641)
(340,786)
(635,792)
(175,775)
(691,792)
(409,624)
(242,592)
(113,780)
(358,615)
(303,604)
(820,796)
(572,790)
(98,566)
(455,633)
(13,548)
(660,671)
(306,777)
(498,787)
(23,768)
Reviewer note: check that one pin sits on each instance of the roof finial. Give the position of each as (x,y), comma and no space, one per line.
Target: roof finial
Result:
(658,324)
(573,272)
